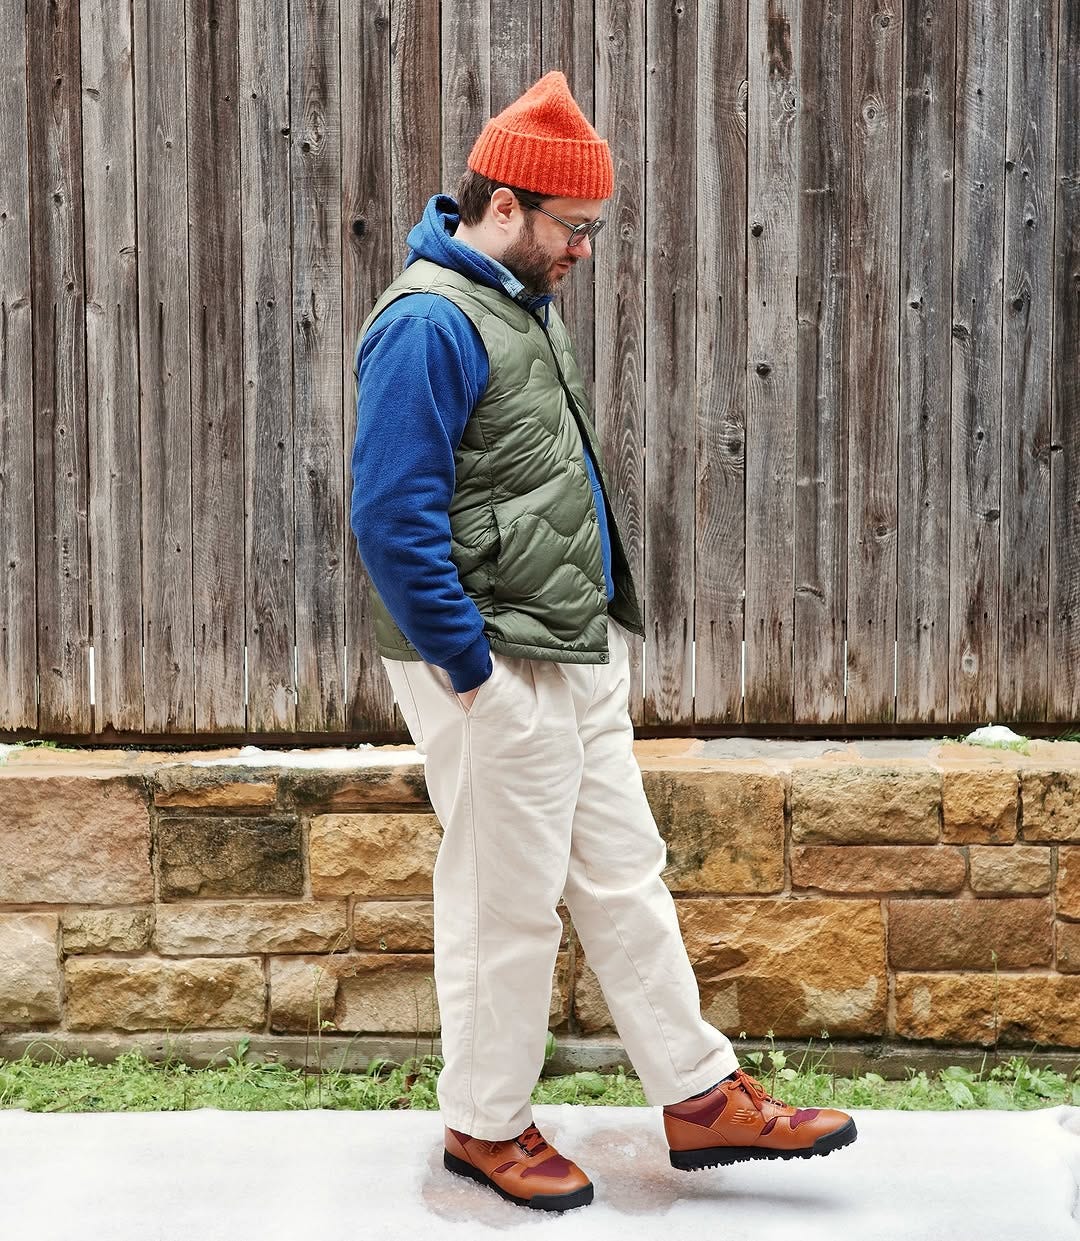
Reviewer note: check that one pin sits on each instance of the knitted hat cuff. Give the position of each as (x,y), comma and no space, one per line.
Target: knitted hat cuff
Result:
(559,167)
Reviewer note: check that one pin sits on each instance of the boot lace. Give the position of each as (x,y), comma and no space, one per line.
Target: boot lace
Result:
(756,1090)
(531,1142)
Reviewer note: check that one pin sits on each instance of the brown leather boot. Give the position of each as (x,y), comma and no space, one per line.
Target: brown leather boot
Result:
(525,1170)
(737,1120)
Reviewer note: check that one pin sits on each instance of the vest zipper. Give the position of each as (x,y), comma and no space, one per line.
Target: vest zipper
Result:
(583,431)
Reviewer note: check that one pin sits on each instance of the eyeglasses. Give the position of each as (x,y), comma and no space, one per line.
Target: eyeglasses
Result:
(578,232)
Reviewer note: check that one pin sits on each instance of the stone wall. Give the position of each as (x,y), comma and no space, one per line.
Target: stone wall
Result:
(904,898)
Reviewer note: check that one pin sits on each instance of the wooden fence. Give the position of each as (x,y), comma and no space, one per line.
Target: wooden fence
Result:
(834,326)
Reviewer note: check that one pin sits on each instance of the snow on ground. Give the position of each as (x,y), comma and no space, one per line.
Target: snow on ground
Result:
(359,756)
(378,1176)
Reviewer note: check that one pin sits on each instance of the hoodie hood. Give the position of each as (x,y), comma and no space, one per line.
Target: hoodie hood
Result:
(432,238)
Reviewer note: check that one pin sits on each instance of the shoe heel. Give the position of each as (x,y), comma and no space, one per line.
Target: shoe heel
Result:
(453,1164)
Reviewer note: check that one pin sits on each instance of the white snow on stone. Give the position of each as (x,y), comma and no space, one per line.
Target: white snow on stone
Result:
(378,1176)
(994,734)
(345,757)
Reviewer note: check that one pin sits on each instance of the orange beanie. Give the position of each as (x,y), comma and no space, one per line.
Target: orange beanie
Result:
(543,142)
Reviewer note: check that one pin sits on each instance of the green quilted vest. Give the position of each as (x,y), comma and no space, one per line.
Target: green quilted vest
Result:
(524,534)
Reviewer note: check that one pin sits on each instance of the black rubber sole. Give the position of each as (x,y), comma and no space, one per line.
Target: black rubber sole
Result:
(716,1156)
(540,1202)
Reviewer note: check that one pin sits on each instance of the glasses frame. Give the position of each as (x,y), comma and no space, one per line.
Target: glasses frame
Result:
(578,232)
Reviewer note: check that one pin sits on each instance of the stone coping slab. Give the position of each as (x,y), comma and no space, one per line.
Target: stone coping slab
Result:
(780,756)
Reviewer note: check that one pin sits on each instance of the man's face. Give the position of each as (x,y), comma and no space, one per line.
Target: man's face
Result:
(539,256)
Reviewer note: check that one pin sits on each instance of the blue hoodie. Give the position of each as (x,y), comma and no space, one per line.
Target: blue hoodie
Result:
(421,369)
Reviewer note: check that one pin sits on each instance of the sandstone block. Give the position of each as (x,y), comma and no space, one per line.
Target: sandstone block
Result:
(1009,869)
(106,930)
(590,1008)
(863,804)
(795,967)
(373,854)
(1051,804)
(724,830)
(394,926)
(878,868)
(29,970)
(984,1008)
(963,934)
(373,993)
(230,856)
(1067,937)
(152,994)
(220,788)
(357,788)
(1067,887)
(74,839)
(979,805)
(239,927)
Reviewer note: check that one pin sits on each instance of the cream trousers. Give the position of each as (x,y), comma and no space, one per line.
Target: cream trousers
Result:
(540,797)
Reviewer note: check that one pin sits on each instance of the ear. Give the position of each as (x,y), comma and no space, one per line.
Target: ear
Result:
(503,206)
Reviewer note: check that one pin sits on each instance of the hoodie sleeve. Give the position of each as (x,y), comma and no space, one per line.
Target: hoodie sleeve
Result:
(419,376)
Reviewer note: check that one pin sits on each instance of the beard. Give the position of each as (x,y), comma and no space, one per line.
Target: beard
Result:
(530,262)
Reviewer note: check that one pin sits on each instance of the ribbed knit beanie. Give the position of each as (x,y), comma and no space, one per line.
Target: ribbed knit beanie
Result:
(543,142)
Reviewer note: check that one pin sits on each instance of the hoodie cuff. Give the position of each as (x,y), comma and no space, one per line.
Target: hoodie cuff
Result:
(472,667)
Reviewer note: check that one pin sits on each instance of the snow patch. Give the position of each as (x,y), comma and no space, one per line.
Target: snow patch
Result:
(996,735)
(365,755)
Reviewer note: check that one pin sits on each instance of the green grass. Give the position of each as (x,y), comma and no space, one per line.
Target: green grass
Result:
(132,1083)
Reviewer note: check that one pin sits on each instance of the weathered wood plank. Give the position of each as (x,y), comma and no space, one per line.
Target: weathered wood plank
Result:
(415,118)
(670,358)
(981,30)
(821,484)
(18,603)
(720,573)
(112,363)
(1026,362)
(58,298)
(466,82)
(772,253)
(164,347)
(568,45)
(922,605)
(265,244)
(217,425)
(620,294)
(873,336)
(318,374)
(1065,444)
(367,108)
(515,49)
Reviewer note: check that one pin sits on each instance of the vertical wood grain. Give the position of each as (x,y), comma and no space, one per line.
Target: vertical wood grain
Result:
(18,590)
(1026,362)
(315,168)
(923,484)
(217,400)
(59,335)
(112,363)
(620,294)
(165,408)
(670,358)
(720,450)
(873,336)
(981,30)
(821,484)
(772,195)
(269,450)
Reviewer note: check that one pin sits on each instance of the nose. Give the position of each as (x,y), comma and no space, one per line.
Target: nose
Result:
(583,249)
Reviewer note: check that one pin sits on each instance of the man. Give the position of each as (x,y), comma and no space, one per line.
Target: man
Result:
(482,514)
